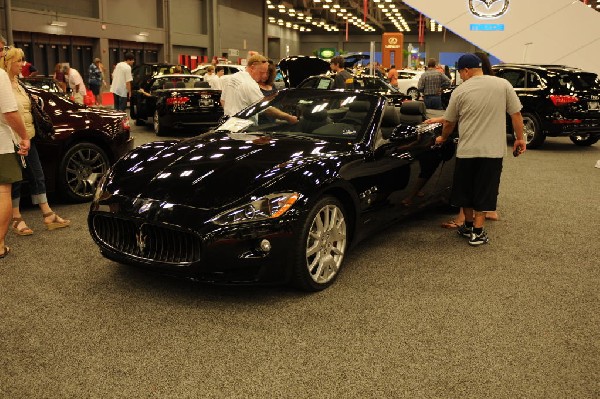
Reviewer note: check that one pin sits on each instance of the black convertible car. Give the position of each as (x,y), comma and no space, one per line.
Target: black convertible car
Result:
(176,102)
(261,200)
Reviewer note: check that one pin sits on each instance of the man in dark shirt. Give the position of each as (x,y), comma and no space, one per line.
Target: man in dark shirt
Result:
(341,75)
(431,84)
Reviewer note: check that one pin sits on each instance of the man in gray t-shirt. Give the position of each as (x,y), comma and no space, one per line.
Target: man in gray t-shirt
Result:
(479,107)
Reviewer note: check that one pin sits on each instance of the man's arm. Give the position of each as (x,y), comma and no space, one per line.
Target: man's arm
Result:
(517,123)
(279,114)
(128,89)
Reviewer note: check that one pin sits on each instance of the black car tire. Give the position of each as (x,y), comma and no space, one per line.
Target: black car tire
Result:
(158,128)
(321,246)
(140,122)
(133,114)
(532,131)
(584,140)
(80,170)
(413,93)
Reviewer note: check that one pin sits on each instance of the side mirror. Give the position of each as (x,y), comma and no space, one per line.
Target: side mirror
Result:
(401,133)
(222,120)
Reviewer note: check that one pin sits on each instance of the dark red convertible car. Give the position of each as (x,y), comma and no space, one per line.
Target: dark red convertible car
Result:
(87,142)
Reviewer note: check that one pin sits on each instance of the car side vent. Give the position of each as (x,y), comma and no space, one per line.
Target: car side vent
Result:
(146,241)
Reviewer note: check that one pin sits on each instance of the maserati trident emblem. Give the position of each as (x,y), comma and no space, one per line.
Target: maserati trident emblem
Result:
(488,8)
(140,239)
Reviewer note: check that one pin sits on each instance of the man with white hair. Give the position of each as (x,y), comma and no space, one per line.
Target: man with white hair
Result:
(75,82)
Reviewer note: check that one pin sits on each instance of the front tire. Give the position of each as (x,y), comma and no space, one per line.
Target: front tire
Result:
(321,246)
(532,131)
(584,140)
(80,170)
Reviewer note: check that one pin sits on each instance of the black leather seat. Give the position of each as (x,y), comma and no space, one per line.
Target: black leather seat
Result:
(168,85)
(357,112)
(201,84)
(413,112)
(180,85)
(389,121)
(312,120)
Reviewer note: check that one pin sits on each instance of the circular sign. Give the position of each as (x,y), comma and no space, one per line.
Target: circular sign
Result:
(393,40)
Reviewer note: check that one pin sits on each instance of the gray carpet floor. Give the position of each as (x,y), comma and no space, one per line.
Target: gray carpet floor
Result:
(416,312)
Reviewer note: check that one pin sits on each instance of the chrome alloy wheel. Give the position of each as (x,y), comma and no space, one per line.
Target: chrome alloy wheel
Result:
(326,244)
(528,129)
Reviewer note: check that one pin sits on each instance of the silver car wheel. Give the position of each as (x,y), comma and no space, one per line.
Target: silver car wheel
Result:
(156,122)
(413,93)
(326,244)
(528,129)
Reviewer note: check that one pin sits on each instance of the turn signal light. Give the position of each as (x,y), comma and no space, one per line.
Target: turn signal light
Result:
(559,101)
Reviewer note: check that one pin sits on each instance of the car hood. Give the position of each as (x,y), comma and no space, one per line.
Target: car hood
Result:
(295,69)
(216,169)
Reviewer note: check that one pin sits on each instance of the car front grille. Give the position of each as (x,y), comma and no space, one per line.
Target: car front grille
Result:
(145,241)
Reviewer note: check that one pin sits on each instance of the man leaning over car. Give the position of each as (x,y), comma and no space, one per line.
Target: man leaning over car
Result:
(241,89)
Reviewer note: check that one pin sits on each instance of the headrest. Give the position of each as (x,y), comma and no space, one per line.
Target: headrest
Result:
(413,108)
(168,85)
(316,116)
(391,116)
(359,106)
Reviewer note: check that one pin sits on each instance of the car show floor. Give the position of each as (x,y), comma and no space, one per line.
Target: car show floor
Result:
(415,312)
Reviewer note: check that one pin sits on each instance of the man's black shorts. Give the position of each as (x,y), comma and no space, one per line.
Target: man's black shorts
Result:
(476,183)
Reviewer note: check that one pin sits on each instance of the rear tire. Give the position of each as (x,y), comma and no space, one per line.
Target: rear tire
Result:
(321,246)
(584,140)
(532,131)
(158,128)
(413,93)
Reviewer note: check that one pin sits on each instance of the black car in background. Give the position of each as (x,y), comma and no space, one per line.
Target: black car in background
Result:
(557,101)
(259,200)
(87,142)
(176,102)
(143,72)
(364,83)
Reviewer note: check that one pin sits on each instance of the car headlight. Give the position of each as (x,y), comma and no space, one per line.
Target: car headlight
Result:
(270,206)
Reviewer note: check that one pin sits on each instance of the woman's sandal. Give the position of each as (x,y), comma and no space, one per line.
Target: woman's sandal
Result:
(6,252)
(23,231)
(451,224)
(55,223)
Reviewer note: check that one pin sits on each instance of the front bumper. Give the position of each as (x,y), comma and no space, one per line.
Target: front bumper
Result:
(179,240)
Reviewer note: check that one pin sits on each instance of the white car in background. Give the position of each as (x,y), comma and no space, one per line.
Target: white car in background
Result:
(408,81)
(230,69)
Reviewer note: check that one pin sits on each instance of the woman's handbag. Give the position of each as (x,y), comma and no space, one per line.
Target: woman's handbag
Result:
(42,122)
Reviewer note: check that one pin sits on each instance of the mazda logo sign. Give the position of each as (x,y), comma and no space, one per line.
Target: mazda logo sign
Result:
(488,8)
(393,40)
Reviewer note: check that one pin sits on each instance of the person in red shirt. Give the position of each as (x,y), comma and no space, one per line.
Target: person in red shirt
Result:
(28,69)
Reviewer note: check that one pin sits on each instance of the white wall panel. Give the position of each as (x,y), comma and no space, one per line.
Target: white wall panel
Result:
(541,31)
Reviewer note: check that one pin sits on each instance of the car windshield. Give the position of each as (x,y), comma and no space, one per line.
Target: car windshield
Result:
(321,114)
(176,81)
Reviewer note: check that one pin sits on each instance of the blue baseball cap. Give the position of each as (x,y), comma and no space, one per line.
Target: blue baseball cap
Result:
(468,61)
